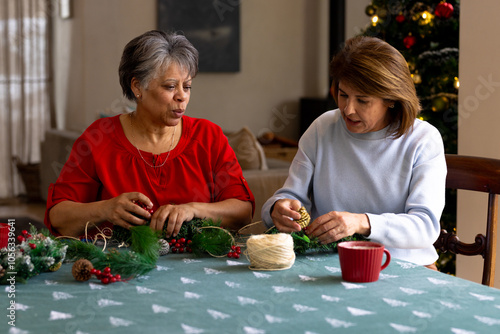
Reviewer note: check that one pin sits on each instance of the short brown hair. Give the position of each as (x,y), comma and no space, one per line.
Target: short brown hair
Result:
(375,68)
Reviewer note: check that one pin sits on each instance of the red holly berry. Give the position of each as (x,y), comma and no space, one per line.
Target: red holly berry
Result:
(181,250)
(107,270)
(189,250)
(118,277)
(238,250)
(230,254)
(233,247)
(178,245)
(182,240)
(112,280)
(24,232)
(21,238)
(409,41)
(400,18)
(105,280)
(236,255)
(32,245)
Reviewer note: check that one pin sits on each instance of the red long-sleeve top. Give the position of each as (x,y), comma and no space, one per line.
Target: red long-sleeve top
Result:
(104,164)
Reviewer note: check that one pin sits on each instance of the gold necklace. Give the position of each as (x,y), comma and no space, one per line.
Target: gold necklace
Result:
(139,151)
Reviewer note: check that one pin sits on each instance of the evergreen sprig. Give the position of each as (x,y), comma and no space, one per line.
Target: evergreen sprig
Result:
(128,263)
(206,236)
(302,244)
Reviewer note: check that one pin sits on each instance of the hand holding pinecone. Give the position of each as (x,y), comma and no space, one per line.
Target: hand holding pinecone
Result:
(304,217)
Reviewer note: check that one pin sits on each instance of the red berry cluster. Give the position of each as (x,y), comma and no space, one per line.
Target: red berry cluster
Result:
(105,275)
(25,235)
(235,252)
(143,206)
(180,246)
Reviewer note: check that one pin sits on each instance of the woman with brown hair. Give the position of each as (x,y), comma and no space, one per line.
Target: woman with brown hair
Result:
(371,166)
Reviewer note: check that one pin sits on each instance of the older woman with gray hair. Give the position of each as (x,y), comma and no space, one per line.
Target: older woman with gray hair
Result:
(154,164)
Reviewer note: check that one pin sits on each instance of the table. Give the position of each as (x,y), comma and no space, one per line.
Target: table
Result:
(188,294)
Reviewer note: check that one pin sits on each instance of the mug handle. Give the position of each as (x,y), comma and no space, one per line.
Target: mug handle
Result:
(387,259)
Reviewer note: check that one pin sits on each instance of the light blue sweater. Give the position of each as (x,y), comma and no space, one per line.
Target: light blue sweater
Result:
(398,183)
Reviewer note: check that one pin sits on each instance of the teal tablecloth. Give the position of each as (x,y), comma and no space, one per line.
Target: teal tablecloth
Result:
(186,294)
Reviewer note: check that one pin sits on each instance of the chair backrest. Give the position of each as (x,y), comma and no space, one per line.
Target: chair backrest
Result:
(483,175)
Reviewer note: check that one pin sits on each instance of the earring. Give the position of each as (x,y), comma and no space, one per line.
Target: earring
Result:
(138,95)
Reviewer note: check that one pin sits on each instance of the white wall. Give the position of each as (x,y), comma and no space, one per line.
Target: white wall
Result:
(284,56)
(479,119)
(87,52)
(355,18)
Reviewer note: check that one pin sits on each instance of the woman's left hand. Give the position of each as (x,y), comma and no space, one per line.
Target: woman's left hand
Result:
(335,225)
(176,215)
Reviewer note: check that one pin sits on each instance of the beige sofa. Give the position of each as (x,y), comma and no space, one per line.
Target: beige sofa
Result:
(262,182)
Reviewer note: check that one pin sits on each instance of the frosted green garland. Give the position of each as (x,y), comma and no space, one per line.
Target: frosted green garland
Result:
(37,254)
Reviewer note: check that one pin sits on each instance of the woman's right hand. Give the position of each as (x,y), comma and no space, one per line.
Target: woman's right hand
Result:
(284,214)
(122,210)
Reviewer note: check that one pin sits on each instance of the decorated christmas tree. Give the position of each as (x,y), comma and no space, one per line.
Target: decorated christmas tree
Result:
(426,32)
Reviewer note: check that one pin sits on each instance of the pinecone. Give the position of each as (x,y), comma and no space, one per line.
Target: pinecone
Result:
(164,247)
(305,218)
(82,270)
(2,271)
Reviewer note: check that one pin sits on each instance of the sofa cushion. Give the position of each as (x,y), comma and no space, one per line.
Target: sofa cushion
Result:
(248,150)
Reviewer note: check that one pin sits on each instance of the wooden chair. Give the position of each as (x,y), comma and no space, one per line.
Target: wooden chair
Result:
(476,174)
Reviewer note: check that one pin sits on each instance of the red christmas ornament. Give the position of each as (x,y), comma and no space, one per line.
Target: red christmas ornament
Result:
(444,10)
(400,18)
(409,41)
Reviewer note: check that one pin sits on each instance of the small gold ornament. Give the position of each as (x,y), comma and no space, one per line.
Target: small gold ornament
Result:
(425,18)
(456,83)
(304,217)
(417,79)
(440,103)
(370,10)
(55,266)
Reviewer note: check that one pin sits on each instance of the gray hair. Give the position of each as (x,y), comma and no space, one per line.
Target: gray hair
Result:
(146,55)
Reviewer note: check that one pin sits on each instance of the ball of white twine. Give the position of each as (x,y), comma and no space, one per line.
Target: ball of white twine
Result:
(270,251)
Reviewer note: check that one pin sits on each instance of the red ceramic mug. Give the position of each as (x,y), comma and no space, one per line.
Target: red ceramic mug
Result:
(361,261)
(4,235)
